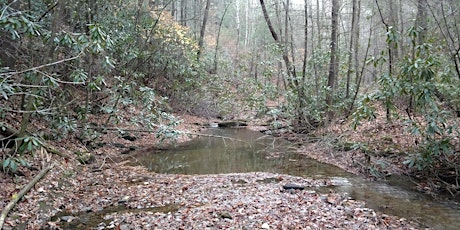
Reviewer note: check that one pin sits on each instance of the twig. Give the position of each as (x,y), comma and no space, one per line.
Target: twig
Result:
(22,193)
(42,66)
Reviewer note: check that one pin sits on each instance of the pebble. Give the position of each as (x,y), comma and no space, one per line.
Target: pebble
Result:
(265,226)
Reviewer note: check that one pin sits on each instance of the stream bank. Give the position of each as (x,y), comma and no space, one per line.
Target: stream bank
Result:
(245,200)
(243,151)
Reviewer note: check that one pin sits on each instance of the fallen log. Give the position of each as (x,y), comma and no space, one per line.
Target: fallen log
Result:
(21,193)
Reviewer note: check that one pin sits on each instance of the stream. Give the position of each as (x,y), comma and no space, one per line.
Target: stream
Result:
(250,151)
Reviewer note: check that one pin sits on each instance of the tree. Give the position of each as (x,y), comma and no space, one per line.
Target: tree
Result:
(353,45)
(292,79)
(203,29)
(214,68)
(333,62)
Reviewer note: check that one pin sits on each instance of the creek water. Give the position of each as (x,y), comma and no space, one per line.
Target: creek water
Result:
(249,151)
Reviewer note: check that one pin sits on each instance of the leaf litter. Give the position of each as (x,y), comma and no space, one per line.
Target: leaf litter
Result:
(221,201)
(120,196)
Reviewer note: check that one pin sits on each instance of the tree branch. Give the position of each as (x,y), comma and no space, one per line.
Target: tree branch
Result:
(22,193)
(42,66)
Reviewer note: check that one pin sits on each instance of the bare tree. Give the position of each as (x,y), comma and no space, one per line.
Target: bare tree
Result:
(278,40)
(333,62)
(214,69)
(450,32)
(392,49)
(421,21)
(292,80)
(305,54)
(203,29)
(353,48)
(183,12)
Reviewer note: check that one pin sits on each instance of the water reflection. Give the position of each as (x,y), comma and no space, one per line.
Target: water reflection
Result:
(256,152)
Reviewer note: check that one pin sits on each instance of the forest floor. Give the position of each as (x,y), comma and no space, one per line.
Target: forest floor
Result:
(109,193)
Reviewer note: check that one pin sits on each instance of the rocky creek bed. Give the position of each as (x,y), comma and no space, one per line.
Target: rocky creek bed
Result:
(223,201)
(110,194)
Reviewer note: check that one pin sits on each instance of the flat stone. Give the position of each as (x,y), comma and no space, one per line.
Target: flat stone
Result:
(293,186)
(225,215)
(67,218)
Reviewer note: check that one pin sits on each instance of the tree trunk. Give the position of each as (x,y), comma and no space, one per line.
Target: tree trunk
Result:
(421,21)
(318,46)
(292,81)
(356,45)
(238,32)
(277,39)
(392,45)
(305,42)
(203,29)
(333,62)
(183,12)
(352,49)
(214,70)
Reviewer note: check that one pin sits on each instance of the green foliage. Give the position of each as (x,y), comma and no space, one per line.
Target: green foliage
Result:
(365,109)
(420,78)
(17,23)
(275,115)
(123,55)
(12,161)
(392,36)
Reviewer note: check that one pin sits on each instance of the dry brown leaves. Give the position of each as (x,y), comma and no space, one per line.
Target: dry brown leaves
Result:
(227,201)
(232,201)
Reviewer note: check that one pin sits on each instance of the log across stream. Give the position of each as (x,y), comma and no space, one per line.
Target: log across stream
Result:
(253,152)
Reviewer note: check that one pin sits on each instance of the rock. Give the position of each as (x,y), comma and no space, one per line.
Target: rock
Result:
(289,186)
(67,218)
(225,215)
(123,199)
(265,226)
(229,124)
(119,145)
(129,137)
(129,150)
(213,125)
(239,181)
(86,209)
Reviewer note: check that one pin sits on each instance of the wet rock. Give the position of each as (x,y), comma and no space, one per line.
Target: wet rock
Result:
(225,215)
(129,137)
(293,186)
(67,218)
(212,125)
(129,150)
(229,124)
(86,209)
(119,145)
(124,199)
(265,226)
(239,181)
